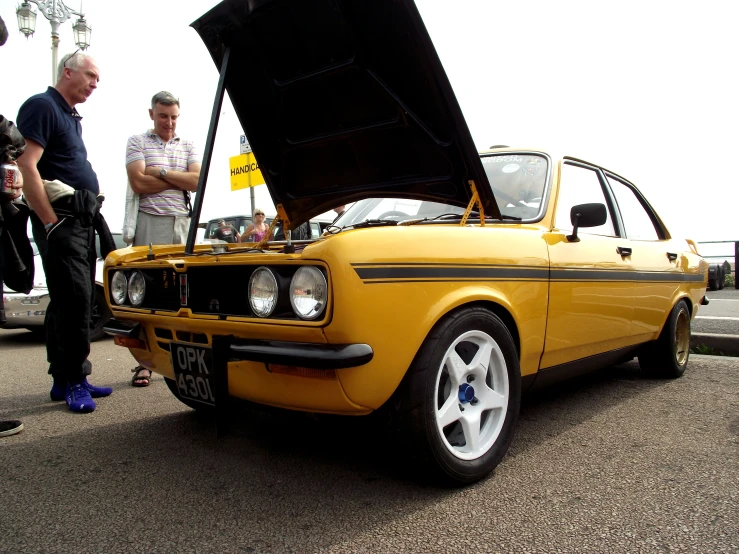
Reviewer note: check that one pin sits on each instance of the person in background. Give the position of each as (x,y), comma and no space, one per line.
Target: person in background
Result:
(162,169)
(227,233)
(339,210)
(256,230)
(13,141)
(55,151)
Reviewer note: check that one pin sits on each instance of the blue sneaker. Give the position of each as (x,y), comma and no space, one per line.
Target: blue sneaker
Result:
(59,389)
(97,392)
(79,399)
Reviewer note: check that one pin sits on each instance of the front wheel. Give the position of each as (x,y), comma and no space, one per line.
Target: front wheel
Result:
(461,397)
(668,355)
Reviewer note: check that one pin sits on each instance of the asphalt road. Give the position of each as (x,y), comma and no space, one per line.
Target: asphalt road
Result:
(721,316)
(613,462)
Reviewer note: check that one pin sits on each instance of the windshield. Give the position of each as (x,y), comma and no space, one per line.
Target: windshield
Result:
(518,181)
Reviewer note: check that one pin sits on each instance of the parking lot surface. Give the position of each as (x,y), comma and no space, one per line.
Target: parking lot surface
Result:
(613,462)
(721,315)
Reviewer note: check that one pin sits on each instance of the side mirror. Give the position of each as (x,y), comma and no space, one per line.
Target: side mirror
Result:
(586,215)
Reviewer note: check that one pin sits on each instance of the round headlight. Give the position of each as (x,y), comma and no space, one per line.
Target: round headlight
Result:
(118,287)
(263,292)
(136,288)
(308,292)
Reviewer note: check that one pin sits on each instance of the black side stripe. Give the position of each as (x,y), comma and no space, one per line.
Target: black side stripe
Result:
(445,273)
(626,275)
(450,273)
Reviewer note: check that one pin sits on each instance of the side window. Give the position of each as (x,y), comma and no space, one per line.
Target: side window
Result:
(637,223)
(580,185)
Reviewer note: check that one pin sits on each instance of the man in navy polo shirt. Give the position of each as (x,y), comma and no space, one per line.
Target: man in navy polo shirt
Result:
(55,151)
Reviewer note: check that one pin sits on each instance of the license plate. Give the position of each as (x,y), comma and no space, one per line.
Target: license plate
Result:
(193,372)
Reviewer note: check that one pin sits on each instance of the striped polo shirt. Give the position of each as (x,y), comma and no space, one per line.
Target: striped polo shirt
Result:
(177,154)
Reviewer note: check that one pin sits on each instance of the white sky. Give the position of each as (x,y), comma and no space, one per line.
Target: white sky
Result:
(646,89)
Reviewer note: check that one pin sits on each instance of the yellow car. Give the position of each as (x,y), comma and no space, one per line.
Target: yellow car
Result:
(454,282)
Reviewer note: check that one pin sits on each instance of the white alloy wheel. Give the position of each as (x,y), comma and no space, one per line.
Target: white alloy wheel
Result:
(471,396)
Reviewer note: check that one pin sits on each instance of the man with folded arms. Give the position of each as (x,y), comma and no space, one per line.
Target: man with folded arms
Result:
(162,169)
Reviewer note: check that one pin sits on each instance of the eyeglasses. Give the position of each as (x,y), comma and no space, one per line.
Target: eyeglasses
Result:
(259,214)
(69,58)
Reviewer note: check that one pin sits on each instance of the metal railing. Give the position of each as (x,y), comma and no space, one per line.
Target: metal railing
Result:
(735,255)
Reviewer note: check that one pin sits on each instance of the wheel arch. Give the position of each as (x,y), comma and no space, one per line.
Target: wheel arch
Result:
(498,309)
(678,297)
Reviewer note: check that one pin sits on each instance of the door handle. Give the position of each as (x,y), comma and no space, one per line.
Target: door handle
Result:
(671,256)
(623,251)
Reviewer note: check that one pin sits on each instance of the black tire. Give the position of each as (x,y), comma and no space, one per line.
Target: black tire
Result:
(200,408)
(419,403)
(721,280)
(667,357)
(713,284)
(39,333)
(99,316)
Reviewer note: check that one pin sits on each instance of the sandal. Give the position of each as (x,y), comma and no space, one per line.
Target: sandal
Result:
(138,379)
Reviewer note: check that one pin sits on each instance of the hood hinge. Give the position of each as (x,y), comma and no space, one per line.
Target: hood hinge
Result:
(475,200)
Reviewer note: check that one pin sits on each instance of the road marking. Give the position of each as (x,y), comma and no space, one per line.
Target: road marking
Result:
(723,300)
(715,317)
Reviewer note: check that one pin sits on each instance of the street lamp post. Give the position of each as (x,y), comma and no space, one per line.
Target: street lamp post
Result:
(57,13)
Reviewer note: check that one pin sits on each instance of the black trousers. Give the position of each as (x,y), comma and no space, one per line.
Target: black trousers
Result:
(2,266)
(68,256)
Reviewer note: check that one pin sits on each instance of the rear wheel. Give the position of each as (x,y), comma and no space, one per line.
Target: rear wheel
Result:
(459,402)
(668,355)
(201,408)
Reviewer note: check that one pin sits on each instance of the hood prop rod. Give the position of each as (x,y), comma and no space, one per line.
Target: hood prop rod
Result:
(474,201)
(208,153)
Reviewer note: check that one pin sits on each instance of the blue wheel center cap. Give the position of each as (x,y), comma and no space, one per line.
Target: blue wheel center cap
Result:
(466,393)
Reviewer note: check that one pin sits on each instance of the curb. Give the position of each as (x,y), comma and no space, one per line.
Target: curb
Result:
(728,345)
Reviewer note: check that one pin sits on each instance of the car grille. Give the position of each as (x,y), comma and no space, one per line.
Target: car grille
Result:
(209,290)
(162,289)
(224,290)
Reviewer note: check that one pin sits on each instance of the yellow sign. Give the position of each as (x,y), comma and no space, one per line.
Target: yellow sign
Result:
(245,172)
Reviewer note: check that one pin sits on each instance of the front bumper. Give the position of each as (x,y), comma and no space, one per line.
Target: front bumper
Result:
(314,356)
(25,310)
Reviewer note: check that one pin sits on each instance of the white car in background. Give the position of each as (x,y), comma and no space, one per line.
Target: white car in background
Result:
(27,311)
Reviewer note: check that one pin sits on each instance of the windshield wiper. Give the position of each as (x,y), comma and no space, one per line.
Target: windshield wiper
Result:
(448,216)
(476,215)
(371,223)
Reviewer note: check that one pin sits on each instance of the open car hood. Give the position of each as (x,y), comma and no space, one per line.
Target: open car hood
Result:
(343,100)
